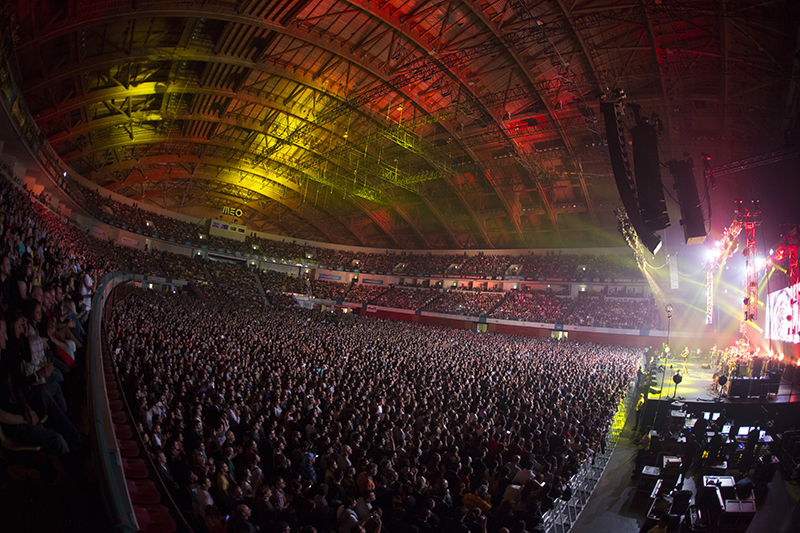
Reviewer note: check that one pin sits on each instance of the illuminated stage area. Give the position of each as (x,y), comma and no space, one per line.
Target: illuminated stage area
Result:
(698,383)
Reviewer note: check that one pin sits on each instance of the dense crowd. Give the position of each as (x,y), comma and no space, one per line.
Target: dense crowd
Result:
(273,281)
(490,265)
(329,290)
(276,249)
(290,418)
(48,275)
(533,307)
(232,274)
(365,293)
(468,303)
(528,306)
(407,298)
(299,419)
(385,262)
(138,220)
(604,312)
(332,258)
(179,266)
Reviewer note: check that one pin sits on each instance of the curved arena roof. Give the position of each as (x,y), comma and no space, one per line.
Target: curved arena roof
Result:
(392,123)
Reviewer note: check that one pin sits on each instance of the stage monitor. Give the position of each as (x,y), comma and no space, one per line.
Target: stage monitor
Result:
(726,429)
(743,431)
(782,322)
(762,434)
(710,416)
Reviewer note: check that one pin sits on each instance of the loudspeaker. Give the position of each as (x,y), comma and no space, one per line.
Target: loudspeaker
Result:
(622,176)
(649,187)
(694,226)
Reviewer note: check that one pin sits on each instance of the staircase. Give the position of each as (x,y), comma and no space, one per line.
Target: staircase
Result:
(500,302)
(347,291)
(261,290)
(160,268)
(569,310)
(209,277)
(432,301)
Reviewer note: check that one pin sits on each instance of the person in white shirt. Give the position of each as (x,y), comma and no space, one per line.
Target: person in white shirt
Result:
(364,504)
(87,288)
(204,498)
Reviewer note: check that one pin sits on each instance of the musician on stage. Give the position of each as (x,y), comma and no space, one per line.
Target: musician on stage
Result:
(685,358)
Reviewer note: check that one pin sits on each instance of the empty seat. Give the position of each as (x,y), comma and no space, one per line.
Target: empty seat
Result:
(123,431)
(128,448)
(135,468)
(143,491)
(154,519)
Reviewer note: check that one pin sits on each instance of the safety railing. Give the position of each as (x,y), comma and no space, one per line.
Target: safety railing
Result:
(564,514)
(118,500)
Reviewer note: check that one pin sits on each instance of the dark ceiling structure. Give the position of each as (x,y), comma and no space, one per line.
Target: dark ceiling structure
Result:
(407,124)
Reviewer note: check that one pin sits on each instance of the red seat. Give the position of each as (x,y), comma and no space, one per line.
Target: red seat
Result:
(112,394)
(123,431)
(119,417)
(128,448)
(154,519)
(135,468)
(143,491)
(116,405)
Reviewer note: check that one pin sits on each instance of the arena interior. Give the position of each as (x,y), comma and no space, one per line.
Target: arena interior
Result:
(399,266)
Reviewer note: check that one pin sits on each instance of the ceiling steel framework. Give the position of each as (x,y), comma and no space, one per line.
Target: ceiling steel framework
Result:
(394,123)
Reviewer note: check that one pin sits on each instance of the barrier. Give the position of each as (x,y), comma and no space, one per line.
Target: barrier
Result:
(115,489)
(564,514)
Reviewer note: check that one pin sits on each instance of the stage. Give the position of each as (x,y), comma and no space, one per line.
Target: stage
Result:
(698,384)
(696,394)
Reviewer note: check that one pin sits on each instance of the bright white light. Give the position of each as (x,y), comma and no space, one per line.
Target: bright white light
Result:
(760,263)
(771,251)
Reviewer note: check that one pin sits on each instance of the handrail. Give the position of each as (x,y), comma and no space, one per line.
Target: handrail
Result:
(118,499)
(564,514)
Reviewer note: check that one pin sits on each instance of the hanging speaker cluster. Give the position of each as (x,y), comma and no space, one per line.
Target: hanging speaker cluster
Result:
(643,199)
(692,220)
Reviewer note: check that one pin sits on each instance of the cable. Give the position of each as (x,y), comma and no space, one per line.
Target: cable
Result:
(669,194)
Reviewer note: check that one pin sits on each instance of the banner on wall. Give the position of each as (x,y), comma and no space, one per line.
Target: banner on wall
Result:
(99,233)
(370,281)
(330,277)
(133,243)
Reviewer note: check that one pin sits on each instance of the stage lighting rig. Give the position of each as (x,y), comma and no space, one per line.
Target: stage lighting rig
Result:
(745,218)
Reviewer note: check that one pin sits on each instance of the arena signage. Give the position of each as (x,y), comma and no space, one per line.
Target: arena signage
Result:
(330,277)
(235,211)
(372,281)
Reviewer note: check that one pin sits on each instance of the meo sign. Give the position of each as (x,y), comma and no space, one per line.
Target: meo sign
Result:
(232,211)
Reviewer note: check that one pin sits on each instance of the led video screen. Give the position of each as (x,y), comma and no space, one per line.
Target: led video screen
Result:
(783,315)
